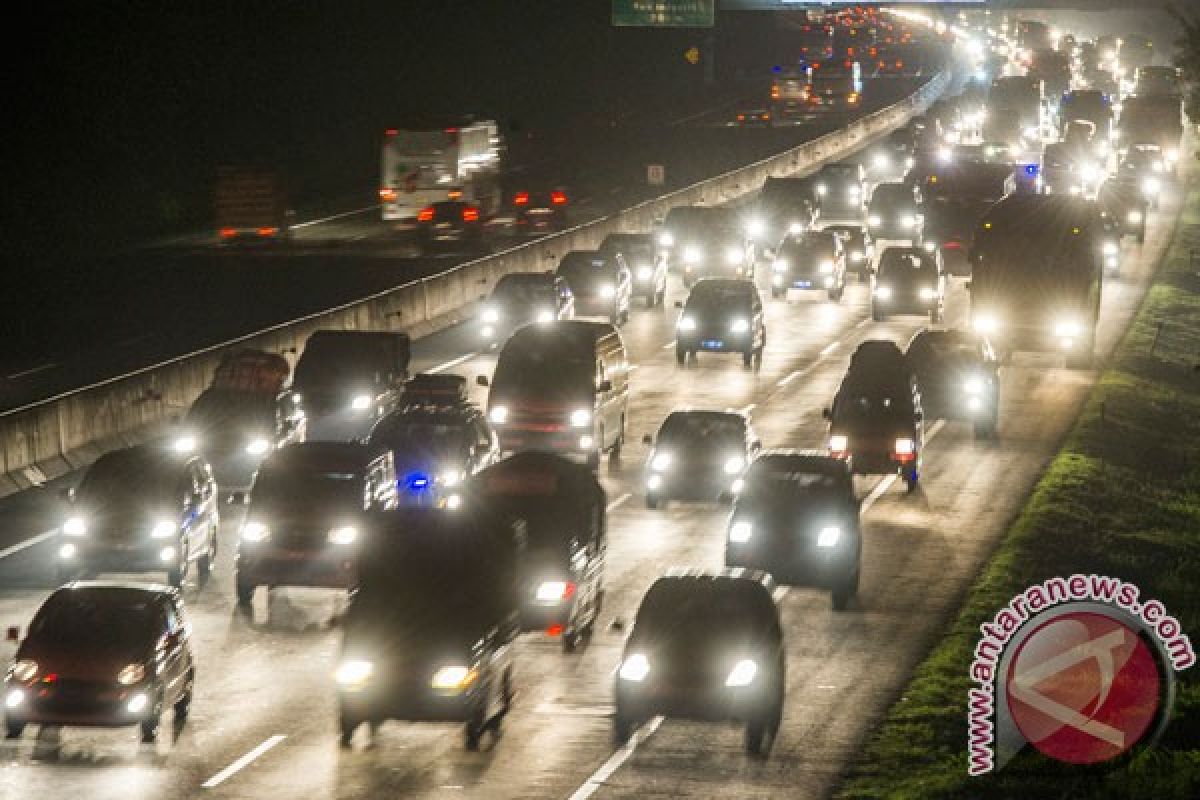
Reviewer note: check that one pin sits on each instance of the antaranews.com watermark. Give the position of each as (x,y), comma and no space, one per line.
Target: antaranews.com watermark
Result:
(1079,667)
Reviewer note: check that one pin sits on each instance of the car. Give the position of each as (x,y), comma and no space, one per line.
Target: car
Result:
(721,315)
(894,212)
(908,280)
(429,632)
(1145,165)
(1003,125)
(683,224)
(796,517)
(705,645)
(524,298)
(841,191)
(103,654)
(752,118)
(355,375)
(537,212)
(304,520)
(451,226)
(601,283)
(646,262)
(1126,205)
(858,246)
(876,418)
(957,374)
(698,455)
(785,206)
(720,250)
(144,508)
(892,156)
(436,443)
(810,261)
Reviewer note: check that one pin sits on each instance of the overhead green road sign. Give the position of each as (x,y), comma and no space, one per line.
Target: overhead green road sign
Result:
(664,13)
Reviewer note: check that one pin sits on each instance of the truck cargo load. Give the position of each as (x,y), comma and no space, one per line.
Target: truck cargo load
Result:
(250,204)
(421,167)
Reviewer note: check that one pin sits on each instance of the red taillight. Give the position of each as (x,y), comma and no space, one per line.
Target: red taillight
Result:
(555,630)
(228,233)
(558,198)
(741,117)
(387,195)
(521,199)
(899,64)
(470,214)
(425,215)
(391,132)
(849,52)
(268,231)
(774,92)
(847,63)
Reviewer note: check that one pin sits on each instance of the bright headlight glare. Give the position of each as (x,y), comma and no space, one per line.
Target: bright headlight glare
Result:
(255,532)
(742,674)
(581,418)
(796,227)
(346,534)
(739,326)
(1067,329)
(131,674)
(826,267)
(635,668)
(1110,248)
(1151,186)
(881,161)
(450,477)
(733,255)
(453,678)
(693,254)
(608,290)
(544,315)
(926,293)
(665,239)
(755,226)
(162,529)
(1134,217)
(973,385)
(986,324)
(829,536)
(930,246)
(908,221)
(256,447)
(353,674)
(75,526)
(14,698)
(554,591)
(24,670)
(645,273)
(904,447)
(822,189)
(875,220)
(883,292)
(838,443)
(661,462)
(780,265)
(185,444)
(498,415)
(734,465)
(491,315)
(687,323)
(740,531)
(361,402)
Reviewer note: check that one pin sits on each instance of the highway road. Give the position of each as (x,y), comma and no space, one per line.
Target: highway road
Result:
(263,722)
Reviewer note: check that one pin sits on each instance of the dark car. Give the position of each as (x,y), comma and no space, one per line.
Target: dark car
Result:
(890,158)
(601,283)
(797,518)
(451,226)
(752,118)
(304,522)
(858,245)
(141,509)
(958,376)
(683,223)
(356,374)
(435,445)
(908,280)
(786,205)
(1145,164)
(103,654)
(524,298)
(1122,199)
(540,211)
(876,419)
(428,635)
(810,261)
(646,262)
(698,455)
(841,191)
(721,316)
(720,250)
(705,645)
(894,212)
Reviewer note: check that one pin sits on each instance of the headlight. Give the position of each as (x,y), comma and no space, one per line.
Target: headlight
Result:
(838,443)
(256,447)
(780,265)
(857,256)
(450,477)
(131,674)
(456,678)
(665,239)
(739,326)
(581,418)
(881,161)
(634,668)
(829,536)
(945,155)
(255,532)
(973,385)
(740,531)
(1032,133)
(185,444)
(756,227)
(24,670)
(734,465)
(1110,248)
(686,323)
(822,190)
(14,698)
(930,246)
(1067,329)
(163,528)
(908,221)
(693,254)
(543,316)
(742,674)
(1171,156)
(826,267)
(796,227)
(498,415)
(645,273)
(904,447)
(353,674)
(361,402)
(875,220)
(926,293)
(985,323)
(734,255)
(75,526)
(661,462)
(491,315)
(1133,217)
(1158,166)
(1151,186)
(853,192)
(608,290)
(346,534)
(554,591)
(883,292)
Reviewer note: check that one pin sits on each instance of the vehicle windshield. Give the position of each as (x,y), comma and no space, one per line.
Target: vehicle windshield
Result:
(424,435)
(638,250)
(889,194)
(712,300)
(840,173)
(871,408)
(522,290)
(124,481)
(587,270)
(808,248)
(97,618)
(694,613)
(308,488)
(778,479)
(214,410)
(703,431)
(553,370)
(906,267)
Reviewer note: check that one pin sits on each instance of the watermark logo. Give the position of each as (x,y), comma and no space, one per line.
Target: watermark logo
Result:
(1078,668)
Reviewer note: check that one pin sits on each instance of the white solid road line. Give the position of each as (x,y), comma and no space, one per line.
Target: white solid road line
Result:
(829,348)
(335,216)
(225,774)
(618,502)
(600,776)
(454,362)
(30,542)
(887,482)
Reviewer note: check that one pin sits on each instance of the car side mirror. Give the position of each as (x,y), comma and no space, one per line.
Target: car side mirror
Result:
(647,439)
(481,380)
(239,498)
(604,386)
(679,304)
(826,414)
(13,634)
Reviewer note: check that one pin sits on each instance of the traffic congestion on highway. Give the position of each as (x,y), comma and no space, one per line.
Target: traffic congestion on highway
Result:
(648,523)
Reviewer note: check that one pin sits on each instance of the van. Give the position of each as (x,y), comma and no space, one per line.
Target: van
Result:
(561,388)
(356,371)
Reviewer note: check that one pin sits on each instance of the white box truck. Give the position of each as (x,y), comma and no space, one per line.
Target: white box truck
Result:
(426,166)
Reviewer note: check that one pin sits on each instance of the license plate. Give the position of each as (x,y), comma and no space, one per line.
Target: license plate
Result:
(713,344)
(802,284)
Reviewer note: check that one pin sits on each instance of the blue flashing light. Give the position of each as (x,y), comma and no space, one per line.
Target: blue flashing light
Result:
(776,68)
(1031,169)
(417,481)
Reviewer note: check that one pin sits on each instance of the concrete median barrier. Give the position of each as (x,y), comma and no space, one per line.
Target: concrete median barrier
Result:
(43,441)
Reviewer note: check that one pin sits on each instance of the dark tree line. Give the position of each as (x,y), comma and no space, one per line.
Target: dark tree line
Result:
(1187,57)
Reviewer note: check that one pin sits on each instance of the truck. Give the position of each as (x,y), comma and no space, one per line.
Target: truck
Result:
(1023,95)
(1152,119)
(424,166)
(1037,267)
(250,204)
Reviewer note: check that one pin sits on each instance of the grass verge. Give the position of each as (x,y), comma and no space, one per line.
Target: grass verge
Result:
(1122,498)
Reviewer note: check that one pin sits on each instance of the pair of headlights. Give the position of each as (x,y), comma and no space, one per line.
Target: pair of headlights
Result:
(259,532)
(636,667)
(742,531)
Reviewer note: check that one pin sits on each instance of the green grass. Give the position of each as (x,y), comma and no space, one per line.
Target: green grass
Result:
(1121,499)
